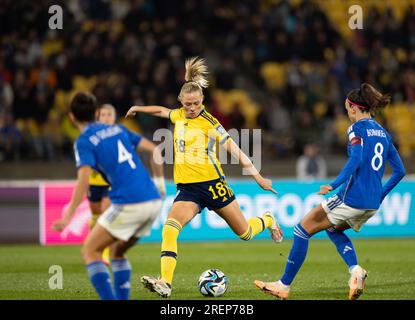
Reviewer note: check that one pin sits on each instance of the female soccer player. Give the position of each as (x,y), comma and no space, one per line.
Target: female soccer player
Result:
(98,188)
(198,174)
(136,202)
(361,194)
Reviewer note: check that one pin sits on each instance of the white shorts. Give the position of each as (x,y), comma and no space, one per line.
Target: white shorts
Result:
(339,213)
(130,220)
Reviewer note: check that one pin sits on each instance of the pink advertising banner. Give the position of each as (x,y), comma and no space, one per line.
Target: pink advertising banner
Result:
(54,199)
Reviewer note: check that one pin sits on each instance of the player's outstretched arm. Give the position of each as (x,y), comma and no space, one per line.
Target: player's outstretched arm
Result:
(77,197)
(156,163)
(398,171)
(232,148)
(156,111)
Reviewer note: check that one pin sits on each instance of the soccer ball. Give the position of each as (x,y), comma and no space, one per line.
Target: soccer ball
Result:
(212,283)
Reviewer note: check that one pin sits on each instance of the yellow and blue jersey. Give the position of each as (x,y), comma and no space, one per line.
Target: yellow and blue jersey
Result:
(195,140)
(98,187)
(96,179)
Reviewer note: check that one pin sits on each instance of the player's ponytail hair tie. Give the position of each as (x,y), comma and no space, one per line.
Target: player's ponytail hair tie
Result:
(192,82)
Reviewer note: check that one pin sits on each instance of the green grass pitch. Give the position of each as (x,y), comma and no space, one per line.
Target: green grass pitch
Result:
(24,270)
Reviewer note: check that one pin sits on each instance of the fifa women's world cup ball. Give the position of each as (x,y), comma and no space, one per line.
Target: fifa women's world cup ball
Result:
(213,283)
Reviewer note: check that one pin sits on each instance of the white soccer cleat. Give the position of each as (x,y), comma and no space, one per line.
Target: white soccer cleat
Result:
(276,289)
(162,288)
(357,282)
(274,229)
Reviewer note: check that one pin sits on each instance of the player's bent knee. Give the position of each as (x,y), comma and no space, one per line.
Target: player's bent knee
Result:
(89,253)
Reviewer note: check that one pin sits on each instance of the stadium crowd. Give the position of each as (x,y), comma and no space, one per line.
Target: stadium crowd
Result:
(283,66)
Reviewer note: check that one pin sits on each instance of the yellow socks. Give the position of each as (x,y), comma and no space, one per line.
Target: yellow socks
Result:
(268,220)
(170,234)
(93,221)
(106,256)
(256,225)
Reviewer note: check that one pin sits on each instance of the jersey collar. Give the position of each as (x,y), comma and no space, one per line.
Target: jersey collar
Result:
(364,119)
(89,125)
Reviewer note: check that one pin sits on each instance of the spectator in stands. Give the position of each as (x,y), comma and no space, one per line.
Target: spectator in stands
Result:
(10,139)
(311,166)
(6,95)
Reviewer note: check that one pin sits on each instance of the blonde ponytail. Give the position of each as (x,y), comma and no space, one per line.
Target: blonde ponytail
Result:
(196,71)
(196,76)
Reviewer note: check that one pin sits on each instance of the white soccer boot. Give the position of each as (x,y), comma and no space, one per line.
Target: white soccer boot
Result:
(159,286)
(274,229)
(277,289)
(357,282)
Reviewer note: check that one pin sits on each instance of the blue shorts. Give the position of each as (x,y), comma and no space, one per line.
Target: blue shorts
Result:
(214,194)
(97,193)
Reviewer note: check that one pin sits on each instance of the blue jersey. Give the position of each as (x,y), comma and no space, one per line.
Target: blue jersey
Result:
(369,148)
(110,149)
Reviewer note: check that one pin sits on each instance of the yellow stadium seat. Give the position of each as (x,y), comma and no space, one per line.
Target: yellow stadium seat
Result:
(52,46)
(227,100)
(68,129)
(131,124)
(61,101)
(401,117)
(34,129)
(274,75)
(341,123)
(320,109)
(81,83)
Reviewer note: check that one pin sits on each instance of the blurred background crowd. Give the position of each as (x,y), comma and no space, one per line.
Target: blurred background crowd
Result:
(283,66)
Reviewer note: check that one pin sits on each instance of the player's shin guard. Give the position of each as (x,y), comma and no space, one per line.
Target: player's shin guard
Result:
(256,225)
(121,270)
(170,234)
(100,278)
(297,255)
(344,246)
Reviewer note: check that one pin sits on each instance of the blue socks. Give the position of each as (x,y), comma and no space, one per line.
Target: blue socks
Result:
(297,255)
(344,246)
(100,278)
(300,246)
(121,270)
